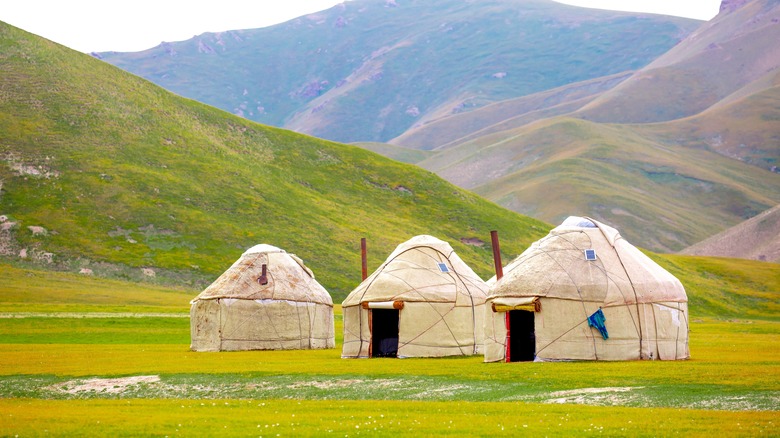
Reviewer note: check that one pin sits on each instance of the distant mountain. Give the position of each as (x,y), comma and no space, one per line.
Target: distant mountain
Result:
(736,48)
(757,238)
(667,185)
(369,70)
(103,170)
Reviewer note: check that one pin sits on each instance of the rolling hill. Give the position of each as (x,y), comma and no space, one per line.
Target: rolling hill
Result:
(665,198)
(666,184)
(368,70)
(105,171)
(734,49)
(758,238)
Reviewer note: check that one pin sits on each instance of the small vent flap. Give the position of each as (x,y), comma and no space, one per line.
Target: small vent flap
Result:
(590,254)
(443,267)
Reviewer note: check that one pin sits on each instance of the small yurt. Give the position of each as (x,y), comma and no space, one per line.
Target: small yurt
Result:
(268,300)
(585,293)
(423,301)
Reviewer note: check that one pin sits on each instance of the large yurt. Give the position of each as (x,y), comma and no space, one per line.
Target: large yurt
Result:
(423,301)
(585,293)
(268,300)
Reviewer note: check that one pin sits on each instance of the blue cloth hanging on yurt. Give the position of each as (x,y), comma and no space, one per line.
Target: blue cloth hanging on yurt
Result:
(597,320)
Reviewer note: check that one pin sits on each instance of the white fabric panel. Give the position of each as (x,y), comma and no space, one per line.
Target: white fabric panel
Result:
(645,306)
(236,312)
(443,312)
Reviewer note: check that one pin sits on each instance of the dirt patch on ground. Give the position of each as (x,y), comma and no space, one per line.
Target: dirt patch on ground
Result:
(473,241)
(344,383)
(606,395)
(110,386)
(326,384)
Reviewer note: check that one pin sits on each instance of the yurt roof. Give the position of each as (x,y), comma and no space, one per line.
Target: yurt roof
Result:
(583,259)
(423,269)
(287,278)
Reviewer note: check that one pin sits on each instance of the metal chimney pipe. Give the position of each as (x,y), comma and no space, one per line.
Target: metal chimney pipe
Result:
(363,257)
(496,254)
(263,280)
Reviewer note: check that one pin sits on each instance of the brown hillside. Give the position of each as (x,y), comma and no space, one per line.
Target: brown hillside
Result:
(745,126)
(734,49)
(757,238)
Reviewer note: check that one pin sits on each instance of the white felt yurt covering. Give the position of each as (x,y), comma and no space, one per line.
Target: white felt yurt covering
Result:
(437,301)
(563,279)
(242,310)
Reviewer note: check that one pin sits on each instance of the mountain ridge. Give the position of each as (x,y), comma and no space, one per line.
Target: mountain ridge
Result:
(735,48)
(367,70)
(501,158)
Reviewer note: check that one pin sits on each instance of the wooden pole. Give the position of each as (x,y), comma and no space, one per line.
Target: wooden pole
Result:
(496,254)
(363,257)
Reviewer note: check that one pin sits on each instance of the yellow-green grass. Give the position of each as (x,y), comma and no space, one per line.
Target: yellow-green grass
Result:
(739,354)
(725,287)
(28,290)
(50,347)
(349,418)
(398,153)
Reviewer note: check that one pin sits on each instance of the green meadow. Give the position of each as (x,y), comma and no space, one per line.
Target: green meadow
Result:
(89,356)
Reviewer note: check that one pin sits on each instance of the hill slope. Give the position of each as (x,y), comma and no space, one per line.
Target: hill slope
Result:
(450,131)
(661,197)
(667,185)
(102,169)
(368,70)
(758,238)
(732,50)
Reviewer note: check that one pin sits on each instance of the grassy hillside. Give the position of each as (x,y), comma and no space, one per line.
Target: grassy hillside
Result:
(398,153)
(368,70)
(454,129)
(116,174)
(727,288)
(660,196)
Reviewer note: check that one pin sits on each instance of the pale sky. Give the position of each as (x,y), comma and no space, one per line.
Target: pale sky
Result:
(130,26)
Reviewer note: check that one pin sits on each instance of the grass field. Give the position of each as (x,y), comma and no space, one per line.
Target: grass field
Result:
(75,365)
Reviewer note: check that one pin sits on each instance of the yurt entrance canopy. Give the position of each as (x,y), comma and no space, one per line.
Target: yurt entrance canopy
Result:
(584,293)
(423,301)
(268,300)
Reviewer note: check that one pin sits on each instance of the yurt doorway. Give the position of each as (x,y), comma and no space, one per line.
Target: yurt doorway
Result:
(384,332)
(522,337)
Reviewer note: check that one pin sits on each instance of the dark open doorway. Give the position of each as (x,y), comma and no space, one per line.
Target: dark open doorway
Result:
(522,339)
(384,333)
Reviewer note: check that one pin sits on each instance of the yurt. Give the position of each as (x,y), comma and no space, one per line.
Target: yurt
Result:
(585,293)
(423,301)
(268,300)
